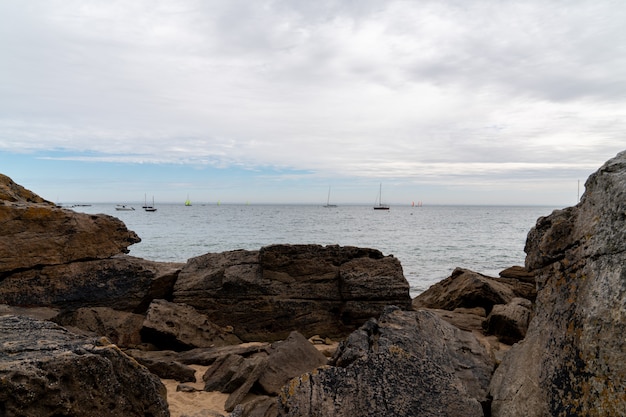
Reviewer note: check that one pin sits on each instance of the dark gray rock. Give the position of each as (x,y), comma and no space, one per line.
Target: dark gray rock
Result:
(404,364)
(573,359)
(121,282)
(266,294)
(46,371)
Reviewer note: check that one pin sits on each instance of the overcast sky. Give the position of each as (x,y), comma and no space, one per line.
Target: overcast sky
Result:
(445,102)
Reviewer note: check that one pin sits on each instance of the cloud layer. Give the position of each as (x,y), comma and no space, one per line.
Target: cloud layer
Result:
(464,91)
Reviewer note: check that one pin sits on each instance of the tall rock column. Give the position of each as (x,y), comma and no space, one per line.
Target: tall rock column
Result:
(573,360)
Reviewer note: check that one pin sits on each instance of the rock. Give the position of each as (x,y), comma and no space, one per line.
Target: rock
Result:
(519,273)
(406,363)
(120,327)
(15,193)
(468,289)
(509,322)
(573,359)
(46,371)
(207,356)
(265,294)
(219,375)
(180,327)
(469,319)
(125,282)
(261,406)
(288,359)
(35,233)
(164,363)
(254,368)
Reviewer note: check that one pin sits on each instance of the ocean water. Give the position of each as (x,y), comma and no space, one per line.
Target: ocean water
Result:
(429,241)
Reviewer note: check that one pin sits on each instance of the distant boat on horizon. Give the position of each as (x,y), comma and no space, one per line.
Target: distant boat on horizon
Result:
(150,208)
(380,205)
(122,207)
(188,201)
(328,205)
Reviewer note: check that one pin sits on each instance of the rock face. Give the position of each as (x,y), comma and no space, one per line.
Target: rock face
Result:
(47,371)
(573,359)
(313,289)
(35,233)
(125,282)
(469,289)
(403,364)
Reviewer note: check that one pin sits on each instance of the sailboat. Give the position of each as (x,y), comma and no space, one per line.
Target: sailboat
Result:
(380,205)
(188,201)
(328,205)
(150,208)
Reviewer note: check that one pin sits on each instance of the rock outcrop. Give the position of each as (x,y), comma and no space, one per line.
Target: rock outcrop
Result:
(403,364)
(122,281)
(573,359)
(35,233)
(469,289)
(46,371)
(265,294)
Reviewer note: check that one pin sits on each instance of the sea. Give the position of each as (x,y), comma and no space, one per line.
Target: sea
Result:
(429,241)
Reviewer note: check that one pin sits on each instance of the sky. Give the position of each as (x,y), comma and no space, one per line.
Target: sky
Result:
(444,102)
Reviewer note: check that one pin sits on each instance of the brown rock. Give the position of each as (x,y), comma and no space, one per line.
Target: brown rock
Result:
(164,363)
(121,328)
(35,233)
(468,289)
(288,359)
(519,273)
(181,327)
(46,371)
(313,289)
(509,322)
(123,281)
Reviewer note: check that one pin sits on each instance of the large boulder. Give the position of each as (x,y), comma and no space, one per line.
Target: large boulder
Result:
(573,359)
(316,290)
(469,289)
(36,233)
(46,371)
(406,363)
(123,282)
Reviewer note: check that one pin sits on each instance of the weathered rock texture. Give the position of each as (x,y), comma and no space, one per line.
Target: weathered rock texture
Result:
(46,371)
(403,364)
(573,359)
(35,233)
(179,326)
(265,294)
(120,327)
(56,257)
(469,289)
(122,281)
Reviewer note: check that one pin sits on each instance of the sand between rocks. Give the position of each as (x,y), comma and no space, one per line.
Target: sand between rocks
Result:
(194,403)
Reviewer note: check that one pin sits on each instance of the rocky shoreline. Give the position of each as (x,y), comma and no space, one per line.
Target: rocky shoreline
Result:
(308,330)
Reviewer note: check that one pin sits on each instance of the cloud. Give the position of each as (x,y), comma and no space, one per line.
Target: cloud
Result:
(366,89)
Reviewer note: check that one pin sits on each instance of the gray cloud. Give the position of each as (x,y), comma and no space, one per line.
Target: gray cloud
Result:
(398,88)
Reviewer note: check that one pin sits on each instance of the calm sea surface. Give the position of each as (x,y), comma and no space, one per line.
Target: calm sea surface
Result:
(429,241)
